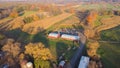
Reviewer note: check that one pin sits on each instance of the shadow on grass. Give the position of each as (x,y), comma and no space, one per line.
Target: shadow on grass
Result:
(109,53)
(26,38)
(61,47)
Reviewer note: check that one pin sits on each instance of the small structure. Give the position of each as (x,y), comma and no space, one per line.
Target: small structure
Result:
(25,64)
(61,64)
(84,61)
(29,65)
(70,37)
(54,35)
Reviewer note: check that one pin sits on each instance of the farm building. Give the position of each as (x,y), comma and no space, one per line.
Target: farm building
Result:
(54,35)
(70,37)
(84,61)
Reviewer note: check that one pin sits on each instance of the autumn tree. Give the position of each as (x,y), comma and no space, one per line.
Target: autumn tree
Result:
(35,17)
(91,18)
(38,51)
(89,33)
(92,48)
(82,15)
(40,54)
(14,14)
(12,48)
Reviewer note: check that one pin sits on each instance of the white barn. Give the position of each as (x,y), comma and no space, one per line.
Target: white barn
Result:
(53,35)
(70,37)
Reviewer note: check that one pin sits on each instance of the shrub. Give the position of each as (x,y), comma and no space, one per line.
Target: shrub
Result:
(28,19)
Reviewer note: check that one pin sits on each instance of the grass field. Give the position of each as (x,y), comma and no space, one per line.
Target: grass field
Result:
(66,23)
(27,13)
(112,34)
(110,55)
(109,52)
(59,46)
(46,23)
(99,6)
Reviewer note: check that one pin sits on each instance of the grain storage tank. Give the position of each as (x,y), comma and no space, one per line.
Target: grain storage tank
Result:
(29,65)
(84,61)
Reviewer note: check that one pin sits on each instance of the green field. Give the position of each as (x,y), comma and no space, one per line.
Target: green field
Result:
(111,34)
(59,46)
(99,6)
(110,55)
(27,13)
(110,52)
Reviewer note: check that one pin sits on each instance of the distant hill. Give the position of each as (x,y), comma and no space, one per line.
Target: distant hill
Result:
(59,1)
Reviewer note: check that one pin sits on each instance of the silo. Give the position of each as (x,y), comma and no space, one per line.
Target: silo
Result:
(29,65)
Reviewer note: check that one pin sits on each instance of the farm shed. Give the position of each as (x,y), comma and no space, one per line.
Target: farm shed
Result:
(84,61)
(70,37)
(54,35)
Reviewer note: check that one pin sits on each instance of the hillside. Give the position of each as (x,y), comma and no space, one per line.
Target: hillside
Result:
(109,50)
(45,23)
(108,23)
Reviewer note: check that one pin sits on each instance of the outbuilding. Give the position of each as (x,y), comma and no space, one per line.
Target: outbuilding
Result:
(84,61)
(54,35)
(70,37)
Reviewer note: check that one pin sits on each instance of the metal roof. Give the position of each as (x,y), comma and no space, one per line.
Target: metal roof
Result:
(84,61)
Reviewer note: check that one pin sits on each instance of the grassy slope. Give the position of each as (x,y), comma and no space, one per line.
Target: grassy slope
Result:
(111,34)
(46,23)
(28,13)
(99,6)
(66,23)
(110,53)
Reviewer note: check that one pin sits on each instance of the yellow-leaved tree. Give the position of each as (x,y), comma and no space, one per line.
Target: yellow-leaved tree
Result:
(92,17)
(35,17)
(38,51)
(14,14)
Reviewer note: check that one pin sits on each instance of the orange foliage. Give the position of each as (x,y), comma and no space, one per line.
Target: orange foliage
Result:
(72,10)
(38,51)
(89,33)
(35,17)
(92,48)
(14,14)
(92,17)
